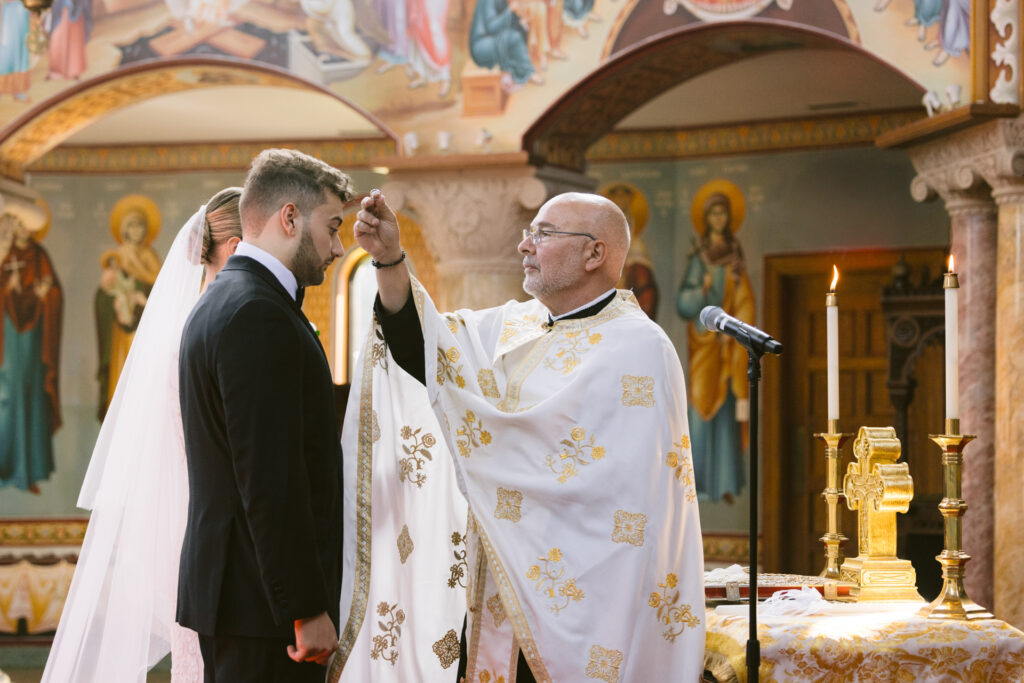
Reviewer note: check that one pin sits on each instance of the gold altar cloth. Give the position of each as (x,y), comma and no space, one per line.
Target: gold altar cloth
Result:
(882,641)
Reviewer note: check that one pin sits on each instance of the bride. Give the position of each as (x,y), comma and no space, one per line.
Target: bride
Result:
(118,620)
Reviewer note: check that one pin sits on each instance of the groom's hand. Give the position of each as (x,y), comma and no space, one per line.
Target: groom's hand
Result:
(376,229)
(315,639)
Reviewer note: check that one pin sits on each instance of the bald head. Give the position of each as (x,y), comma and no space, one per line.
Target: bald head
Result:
(581,246)
(600,217)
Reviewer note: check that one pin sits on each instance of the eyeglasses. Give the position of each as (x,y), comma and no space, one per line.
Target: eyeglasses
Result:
(537,235)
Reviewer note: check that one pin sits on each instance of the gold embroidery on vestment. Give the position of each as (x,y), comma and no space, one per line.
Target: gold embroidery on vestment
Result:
(682,463)
(471,434)
(410,468)
(385,645)
(405,545)
(508,507)
(560,592)
(379,350)
(638,391)
(486,677)
(571,348)
(510,328)
(376,428)
(458,570)
(447,649)
(497,610)
(488,385)
(604,664)
(674,616)
(629,527)
(446,368)
(577,453)
(364,515)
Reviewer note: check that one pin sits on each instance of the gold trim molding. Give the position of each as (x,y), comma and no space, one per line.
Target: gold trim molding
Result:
(24,533)
(236,156)
(748,138)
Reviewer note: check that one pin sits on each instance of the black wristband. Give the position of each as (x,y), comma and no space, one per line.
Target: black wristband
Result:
(377,264)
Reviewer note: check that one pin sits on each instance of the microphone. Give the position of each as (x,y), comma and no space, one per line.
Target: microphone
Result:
(714,318)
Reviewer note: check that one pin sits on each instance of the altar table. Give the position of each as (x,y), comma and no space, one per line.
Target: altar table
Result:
(877,642)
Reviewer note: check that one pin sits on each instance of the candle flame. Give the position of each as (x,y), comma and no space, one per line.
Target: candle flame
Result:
(951,268)
(835,278)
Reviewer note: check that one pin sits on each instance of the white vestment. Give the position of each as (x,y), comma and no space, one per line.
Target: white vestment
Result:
(570,443)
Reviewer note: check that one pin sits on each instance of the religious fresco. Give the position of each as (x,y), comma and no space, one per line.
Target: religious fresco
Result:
(715,274)
(471,75)
(128,273)
(31,301)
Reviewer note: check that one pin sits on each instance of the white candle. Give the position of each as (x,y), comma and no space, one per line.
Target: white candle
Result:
(832,346)
(951,284)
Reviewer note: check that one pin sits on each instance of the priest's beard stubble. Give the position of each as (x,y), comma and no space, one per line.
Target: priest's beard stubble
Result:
(553,279)
(307,266)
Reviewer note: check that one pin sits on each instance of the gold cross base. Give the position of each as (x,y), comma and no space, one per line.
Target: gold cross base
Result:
(881,579)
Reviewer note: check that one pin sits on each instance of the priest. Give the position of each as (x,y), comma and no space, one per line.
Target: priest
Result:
(565,417)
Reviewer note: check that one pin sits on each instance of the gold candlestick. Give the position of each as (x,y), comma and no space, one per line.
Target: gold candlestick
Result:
(833,538)
(953,602)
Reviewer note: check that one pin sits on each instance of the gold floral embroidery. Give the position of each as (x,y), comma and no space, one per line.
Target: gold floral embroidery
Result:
(459,569)
(385,646)
(410,468)
(629,527)
(577,454)
(515,326)
(405,545)
(549,580)
(452,321)
(682,463)
(604,664)
(674,616)
(497,610)
(375,429)
(509,502)
(379,350)
(447,649)
(568,355)
(486,677)
(489,387)
(446,368)
(637,391)
(471,434)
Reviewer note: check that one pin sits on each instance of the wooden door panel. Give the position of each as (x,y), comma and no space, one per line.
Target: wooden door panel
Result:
(795,394)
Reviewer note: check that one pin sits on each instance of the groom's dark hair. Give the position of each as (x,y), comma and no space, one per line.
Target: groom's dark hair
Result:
(280,176)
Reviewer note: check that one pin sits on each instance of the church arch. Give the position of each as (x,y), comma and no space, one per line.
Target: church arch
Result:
(51,122)
(563,133)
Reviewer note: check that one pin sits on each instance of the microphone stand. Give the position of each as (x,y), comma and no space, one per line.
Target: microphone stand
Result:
(753,644)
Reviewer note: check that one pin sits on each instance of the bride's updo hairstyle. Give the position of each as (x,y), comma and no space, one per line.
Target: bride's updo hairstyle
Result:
(222,220)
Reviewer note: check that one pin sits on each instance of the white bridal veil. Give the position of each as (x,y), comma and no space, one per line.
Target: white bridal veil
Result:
(119,611)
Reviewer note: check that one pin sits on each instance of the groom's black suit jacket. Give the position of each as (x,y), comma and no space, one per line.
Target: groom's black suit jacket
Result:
(262,544)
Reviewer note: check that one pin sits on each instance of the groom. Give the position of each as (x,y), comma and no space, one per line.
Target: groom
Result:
(261,560)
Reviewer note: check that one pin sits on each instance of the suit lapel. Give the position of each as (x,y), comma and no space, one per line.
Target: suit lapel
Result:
(244,263)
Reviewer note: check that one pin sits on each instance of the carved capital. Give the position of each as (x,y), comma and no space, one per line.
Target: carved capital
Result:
(472,222)
(991,153)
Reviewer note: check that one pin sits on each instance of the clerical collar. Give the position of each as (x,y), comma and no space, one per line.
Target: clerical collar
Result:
(271,263)
(593,307)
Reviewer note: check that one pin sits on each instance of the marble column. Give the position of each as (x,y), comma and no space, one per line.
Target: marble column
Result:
(1009,441)
(973,238)
(472,220)
(955,168)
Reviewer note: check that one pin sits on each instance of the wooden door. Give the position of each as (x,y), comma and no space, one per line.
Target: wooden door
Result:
(795,400)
